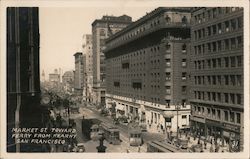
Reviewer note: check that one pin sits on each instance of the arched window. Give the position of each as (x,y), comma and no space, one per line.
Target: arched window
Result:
(184,19)
(168,19)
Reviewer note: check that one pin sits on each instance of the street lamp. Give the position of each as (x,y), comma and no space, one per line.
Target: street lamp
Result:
(101,148)
(177,107)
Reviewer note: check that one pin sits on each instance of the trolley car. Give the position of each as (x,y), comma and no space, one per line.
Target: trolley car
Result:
(111,133)
(135,137)
(86,126)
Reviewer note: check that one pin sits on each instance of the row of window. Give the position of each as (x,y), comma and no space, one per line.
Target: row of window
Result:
(232,80)
(137,53)
(168,89)
(153,23)
(226,62)
(221,45)
(183,76)
(219,114)
(183,48)
(227,26)
(214,13)
(230,98)
(183,63)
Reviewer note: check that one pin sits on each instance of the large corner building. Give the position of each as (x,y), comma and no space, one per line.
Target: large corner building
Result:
(102,29)
(217,74)
(88,67)
(147,69)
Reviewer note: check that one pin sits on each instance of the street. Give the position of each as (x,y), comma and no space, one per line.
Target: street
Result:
(90,145)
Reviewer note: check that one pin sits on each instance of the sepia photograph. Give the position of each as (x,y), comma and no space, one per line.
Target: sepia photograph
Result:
(124,79)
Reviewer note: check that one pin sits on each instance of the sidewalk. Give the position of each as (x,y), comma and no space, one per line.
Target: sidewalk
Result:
(208,144)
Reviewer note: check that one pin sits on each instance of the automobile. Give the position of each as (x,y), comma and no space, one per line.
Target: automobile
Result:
(116,121)
(80,147)
(104,112)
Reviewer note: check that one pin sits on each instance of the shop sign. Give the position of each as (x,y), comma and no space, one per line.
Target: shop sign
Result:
(226,134)
(231,127)
(201,120)
(214,123)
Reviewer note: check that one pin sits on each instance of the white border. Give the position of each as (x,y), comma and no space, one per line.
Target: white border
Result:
(124,3)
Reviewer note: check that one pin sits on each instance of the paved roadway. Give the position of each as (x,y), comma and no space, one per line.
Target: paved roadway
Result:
(90,146)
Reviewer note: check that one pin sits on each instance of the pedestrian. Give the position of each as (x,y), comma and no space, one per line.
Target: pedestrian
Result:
(205,144)
(161,127)
(139,148)
(211,149)
(127,150)
(217,148)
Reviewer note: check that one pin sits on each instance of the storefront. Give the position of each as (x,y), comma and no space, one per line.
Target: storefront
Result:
(231,134)
(198,126)
(214,128)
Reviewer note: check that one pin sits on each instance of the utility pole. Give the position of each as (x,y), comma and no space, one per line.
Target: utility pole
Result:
(177,110)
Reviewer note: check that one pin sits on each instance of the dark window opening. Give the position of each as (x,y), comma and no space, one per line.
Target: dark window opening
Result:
(117,84)
(125,65)
(137,85)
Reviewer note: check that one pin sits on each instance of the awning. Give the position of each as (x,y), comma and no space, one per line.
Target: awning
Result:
(168,114)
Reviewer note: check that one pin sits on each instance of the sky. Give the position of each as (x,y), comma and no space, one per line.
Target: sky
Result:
(61,31)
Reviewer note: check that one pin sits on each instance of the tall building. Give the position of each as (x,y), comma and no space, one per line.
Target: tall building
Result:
(147,69)
(68,81)
(23,77)
(217,74)
(102,29)
(88,67)
(68,76)
(78,75)
(54,77)
(43,77)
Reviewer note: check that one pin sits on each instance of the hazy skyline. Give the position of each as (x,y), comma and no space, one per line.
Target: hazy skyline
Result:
(61,31)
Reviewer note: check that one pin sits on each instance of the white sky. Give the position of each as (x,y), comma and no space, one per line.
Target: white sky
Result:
(61,31)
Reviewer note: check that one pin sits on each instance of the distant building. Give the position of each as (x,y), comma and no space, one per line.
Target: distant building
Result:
(88,68)
(102,29)
(43,77)
(147,68)
(54,77)
(68,76)
(78,75)
(217,74)
(23,76)
(68,81)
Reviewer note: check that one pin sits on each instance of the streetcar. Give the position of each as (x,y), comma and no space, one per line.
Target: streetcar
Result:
(135,137)
(86,126)
(111,133)
(94,132)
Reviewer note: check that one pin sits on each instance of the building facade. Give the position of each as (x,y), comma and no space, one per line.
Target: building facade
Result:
(147,69)
(23,77)
(78,75)
(217,74)
(88,67)
(102,29)
(68,82)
